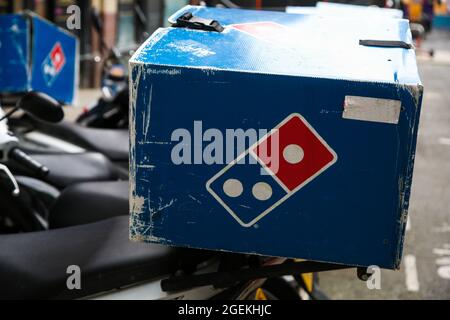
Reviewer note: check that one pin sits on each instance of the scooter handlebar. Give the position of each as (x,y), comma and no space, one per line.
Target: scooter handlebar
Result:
(28,162)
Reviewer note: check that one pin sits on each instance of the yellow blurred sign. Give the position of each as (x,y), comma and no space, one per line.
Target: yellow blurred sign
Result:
(260,295)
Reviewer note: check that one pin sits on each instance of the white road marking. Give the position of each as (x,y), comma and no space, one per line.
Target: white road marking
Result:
(443,261)
(444,141)
(412,279)
(441,252)
(444,272)
(408,224)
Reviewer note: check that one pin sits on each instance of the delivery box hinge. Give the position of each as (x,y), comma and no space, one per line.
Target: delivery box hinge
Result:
(386,44)
(189,21)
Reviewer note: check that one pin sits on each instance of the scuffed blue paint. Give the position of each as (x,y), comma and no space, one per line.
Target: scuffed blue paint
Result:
(354,213)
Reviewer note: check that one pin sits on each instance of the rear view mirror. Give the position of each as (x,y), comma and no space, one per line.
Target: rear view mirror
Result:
(41,106)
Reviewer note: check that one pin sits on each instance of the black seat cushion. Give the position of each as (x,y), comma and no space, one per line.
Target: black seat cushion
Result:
(113,143)
(68,169)
(34,265)
(90,202)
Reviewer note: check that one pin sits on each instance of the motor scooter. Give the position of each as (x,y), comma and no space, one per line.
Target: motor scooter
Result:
(69,165)
(38,266)
(44,232)
(111,110)
(35,193)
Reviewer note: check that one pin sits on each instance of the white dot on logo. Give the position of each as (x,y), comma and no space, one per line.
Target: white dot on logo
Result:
(262,191)
(233,188)
(293,154)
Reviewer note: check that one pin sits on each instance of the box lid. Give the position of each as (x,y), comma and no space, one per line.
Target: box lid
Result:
(288,44)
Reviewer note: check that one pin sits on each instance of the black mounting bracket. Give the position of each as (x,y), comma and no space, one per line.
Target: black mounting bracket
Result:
(188,20)
(225,279)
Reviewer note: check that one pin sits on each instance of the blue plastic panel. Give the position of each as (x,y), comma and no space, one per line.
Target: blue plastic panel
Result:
(37,55)
(55,61)
(14,53)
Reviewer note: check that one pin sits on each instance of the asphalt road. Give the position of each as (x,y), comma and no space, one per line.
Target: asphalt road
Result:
(425,272)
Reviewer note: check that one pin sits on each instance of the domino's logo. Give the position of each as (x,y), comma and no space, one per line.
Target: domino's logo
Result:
(53,64)
(287,159)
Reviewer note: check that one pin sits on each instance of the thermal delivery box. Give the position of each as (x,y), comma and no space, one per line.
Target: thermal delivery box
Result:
(275,134)
(37,55)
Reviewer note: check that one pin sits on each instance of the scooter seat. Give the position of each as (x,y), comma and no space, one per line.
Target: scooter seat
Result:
(68,169)
(35,265)
(90,202)
(113,143)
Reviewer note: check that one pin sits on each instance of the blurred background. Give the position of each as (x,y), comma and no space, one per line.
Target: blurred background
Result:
(425,273)
(128,22)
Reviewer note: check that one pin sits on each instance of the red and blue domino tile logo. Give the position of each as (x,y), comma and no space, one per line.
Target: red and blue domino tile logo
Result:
(53,64)
(248,195)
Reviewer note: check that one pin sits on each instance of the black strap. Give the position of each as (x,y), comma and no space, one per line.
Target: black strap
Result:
(188,20)
(386,44)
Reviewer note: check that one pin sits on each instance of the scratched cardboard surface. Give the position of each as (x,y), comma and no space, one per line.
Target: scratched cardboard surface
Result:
(354,212)
(36,55)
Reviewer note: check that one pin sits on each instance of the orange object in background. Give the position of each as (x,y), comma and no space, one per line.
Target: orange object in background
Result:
(415,10)
(442,7)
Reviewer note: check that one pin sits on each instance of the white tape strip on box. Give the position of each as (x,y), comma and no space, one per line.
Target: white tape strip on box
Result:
(372,109)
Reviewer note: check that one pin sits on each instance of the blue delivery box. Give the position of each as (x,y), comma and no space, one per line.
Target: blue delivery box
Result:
(36,55)
(275,134)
